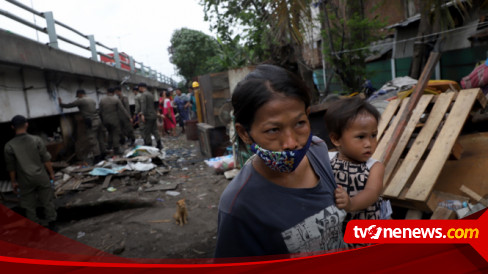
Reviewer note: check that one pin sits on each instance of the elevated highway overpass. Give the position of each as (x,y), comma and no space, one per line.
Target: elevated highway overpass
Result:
(34,75)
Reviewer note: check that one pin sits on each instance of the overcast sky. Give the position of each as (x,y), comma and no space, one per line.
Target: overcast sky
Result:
(141,28)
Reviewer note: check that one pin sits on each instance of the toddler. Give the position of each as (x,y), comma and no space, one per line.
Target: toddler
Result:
(353,127)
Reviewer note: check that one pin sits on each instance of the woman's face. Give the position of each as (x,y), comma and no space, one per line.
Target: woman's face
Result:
(281,124)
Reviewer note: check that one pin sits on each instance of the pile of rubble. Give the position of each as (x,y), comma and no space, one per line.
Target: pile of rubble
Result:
(142,160)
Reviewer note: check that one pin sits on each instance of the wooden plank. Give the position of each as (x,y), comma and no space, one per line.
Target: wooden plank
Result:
(407,133)
(390,110)
(75,184)
(405,115)
(413,214)
(89,179)
(470,170)
(424,182)
(456,151)
(205,98)
(442,213)
(221,94)
(389,132)
(482,100)
(106,183)
(474,195)
(83,169)
(220,80)
(70,184)
(418,148)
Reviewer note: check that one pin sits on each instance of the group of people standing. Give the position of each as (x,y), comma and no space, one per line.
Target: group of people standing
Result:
(175,111)
(114,116)
(28,161)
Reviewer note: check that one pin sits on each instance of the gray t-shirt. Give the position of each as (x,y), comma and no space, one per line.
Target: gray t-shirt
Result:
(258,217)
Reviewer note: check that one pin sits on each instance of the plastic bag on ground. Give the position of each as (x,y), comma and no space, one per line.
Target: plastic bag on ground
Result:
(221,163)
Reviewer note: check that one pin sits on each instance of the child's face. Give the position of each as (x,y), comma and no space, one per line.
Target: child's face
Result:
(358,141)
(280,124)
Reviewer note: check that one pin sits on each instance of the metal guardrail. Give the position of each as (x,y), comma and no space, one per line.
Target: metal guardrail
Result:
(50,30)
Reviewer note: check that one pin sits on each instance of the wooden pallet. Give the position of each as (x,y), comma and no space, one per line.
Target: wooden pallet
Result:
(410,181)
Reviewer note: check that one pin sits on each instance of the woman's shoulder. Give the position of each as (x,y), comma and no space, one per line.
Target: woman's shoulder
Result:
(317,140)
(318,145)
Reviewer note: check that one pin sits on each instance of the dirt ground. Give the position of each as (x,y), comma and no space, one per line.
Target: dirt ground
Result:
(133,223)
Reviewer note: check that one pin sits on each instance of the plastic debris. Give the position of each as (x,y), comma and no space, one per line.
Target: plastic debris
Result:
(141,166)
(111,189)
(222,163)
(172,193)
(102,171)
(142,150)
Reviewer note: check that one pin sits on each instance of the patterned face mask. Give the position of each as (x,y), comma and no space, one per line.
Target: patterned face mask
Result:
(282,161)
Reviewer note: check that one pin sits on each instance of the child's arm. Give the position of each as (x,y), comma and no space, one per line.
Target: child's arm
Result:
(368,196)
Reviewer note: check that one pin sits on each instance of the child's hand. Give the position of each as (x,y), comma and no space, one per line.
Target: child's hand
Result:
(342,198)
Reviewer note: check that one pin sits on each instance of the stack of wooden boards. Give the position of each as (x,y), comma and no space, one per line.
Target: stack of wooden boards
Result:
(418,175)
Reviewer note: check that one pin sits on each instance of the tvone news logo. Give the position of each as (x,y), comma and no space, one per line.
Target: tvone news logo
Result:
(375,232)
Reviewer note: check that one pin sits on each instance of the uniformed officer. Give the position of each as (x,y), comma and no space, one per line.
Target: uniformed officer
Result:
(148,116)
(110,107)
(94,128)
(125,124)
(31,173)
(137,110)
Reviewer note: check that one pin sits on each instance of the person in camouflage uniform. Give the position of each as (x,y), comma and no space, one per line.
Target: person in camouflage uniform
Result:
(110,107)
(148,116)
(31,173)
(125,124)
(137,110)
(94,127)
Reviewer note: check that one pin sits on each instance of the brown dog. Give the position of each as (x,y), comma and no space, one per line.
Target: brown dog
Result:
(181,213)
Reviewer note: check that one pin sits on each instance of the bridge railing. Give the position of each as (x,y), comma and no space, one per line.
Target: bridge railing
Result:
(113,58)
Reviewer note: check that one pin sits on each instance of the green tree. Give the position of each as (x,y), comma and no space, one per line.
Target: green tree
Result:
(347,34)
(193,53)
(231,54)
(272,30)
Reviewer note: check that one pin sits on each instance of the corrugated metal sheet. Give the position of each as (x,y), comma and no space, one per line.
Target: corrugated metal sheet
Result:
(405,22)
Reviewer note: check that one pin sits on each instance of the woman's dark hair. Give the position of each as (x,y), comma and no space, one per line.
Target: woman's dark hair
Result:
(343,111)
(258,88)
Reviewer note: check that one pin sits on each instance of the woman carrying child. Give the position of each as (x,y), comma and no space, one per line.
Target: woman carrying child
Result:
(282,200)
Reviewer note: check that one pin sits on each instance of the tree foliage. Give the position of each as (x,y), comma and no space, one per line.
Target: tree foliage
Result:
(231,55)
(247,17)
(193,53)
(271,30)
(347,34)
